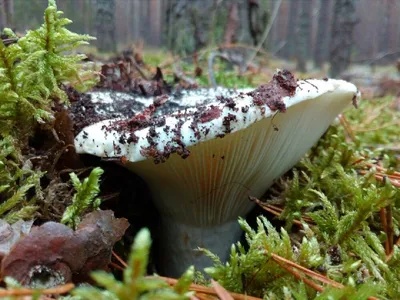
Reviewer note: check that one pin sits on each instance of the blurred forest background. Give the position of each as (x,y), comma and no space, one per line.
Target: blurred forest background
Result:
(307,32)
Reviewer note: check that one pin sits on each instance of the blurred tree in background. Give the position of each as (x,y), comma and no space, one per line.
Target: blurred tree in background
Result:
(304,36)
(344,20)
(313,31)
(105,25)
(321,50)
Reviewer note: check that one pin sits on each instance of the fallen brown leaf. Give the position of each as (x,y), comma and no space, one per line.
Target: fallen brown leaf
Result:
(54,254)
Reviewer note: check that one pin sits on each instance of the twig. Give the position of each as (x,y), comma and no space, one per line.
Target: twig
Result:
(388,257)
(306,271)
(390,231)
(381,169)
(209,291)
(10,41)
(279,47)
(382,178)
(141,72)
(202,52)
(266,32)
(119,259)
(394,148)
(211,58)
(382,213)
(377,57)
(376,128)
(310,283)
(62,289)
(347,127)
(282,261)
(118,267)
(181,75)
(223,294)
(277,211)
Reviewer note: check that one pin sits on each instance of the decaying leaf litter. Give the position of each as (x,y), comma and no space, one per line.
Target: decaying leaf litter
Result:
(338,206)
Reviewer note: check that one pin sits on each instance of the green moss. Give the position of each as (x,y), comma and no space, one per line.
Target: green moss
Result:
(335,189)
(85,197)
(135,285)
(15,183)
(32,71)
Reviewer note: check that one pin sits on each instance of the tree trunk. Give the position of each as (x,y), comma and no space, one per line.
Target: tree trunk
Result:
(258,16)
(304,38)
(6,13)
(384,44)
(105,25)
(232,24)
(323,37)
(344,20)
(291,33)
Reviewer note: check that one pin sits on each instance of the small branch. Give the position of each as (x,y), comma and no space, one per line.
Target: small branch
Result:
(277,211)
(10,41)
(138,68)
(310,283)
(62,289)
(223,294)
(397,123)
(121,261)
(382,177)
(376,58)
(181,75)
(290,265)
(207,290)
(118,267)
(390,230)
(211,59)
(279,47)
(381,169)
(306,271)
(347,127)
(384,225)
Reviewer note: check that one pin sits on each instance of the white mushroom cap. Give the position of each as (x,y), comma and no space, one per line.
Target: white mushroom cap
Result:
(233,148)
(102,140)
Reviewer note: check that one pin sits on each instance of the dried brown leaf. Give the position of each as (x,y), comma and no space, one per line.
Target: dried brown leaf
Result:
(53,254)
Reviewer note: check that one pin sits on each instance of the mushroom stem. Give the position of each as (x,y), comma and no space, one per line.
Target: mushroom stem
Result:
(180,243)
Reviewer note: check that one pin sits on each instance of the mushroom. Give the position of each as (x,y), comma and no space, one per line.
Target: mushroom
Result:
(202,163)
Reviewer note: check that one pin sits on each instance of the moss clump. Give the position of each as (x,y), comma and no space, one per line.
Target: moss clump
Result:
(15,183)
(85,197)
(32,71)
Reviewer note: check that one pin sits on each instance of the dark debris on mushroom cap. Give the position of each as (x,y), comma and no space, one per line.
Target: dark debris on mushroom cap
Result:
(283,84)
(271,94)
(107,104)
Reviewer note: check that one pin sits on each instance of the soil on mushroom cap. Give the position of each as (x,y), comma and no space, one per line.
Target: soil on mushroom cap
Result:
(282,84)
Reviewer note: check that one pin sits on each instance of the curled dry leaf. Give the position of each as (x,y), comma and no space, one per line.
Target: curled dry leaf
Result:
(54,254)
